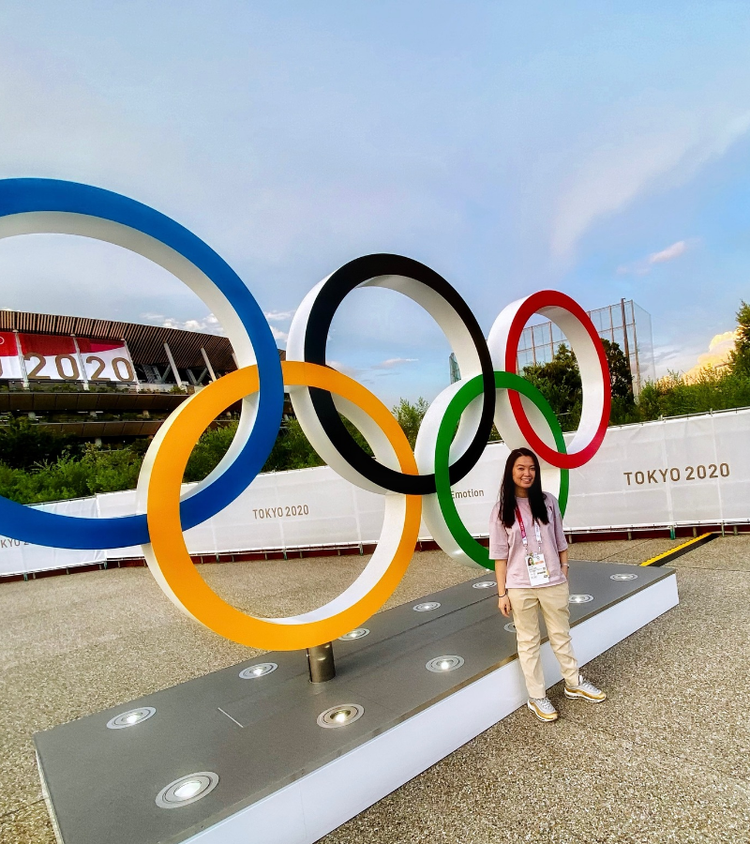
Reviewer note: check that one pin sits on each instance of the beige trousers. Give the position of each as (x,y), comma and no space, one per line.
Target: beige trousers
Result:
(553,602)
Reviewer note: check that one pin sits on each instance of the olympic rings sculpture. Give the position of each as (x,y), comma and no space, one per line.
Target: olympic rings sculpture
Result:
(415,485)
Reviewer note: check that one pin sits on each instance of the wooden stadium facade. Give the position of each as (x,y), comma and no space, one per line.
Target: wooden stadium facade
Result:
(159,368)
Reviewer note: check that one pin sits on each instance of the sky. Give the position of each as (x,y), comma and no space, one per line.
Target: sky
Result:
(598,149)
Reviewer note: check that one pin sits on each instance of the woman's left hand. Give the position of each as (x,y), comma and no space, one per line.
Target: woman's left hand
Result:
(503,604)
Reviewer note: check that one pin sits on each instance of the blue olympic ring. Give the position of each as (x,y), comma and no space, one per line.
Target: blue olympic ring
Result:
(118,219)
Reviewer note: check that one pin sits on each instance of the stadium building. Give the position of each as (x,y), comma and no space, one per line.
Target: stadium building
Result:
(102,380)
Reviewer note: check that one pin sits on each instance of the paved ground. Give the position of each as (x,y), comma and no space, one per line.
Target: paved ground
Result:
(663,760)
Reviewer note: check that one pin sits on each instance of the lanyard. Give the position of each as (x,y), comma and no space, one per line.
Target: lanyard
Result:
(537,532)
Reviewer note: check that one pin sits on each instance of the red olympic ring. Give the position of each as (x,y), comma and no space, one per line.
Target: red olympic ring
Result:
(585,342)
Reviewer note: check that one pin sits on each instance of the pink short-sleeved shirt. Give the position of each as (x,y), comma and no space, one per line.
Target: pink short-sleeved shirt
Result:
(507,544)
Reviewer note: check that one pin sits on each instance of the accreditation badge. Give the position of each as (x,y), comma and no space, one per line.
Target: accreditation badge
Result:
(537,568)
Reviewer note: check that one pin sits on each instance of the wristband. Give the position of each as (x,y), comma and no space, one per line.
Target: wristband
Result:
(504,595)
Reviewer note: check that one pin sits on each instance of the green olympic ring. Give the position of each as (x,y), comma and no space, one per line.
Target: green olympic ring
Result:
(470,390)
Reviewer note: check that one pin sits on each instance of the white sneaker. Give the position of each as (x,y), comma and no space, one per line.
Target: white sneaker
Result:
(542,708)
(585,690)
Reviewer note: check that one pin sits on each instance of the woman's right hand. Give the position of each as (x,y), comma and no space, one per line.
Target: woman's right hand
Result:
(503,604)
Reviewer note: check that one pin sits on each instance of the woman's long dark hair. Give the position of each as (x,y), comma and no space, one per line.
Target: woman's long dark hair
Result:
(507,512)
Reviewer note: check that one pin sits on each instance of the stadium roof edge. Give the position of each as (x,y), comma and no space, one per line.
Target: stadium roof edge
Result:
(145,342)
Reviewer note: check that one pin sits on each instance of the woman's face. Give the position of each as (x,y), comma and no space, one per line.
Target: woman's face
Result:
(524,474)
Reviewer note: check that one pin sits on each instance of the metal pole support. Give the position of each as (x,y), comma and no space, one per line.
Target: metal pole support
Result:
(320,663)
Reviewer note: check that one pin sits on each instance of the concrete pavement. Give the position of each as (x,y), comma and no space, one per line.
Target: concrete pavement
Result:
(664,759)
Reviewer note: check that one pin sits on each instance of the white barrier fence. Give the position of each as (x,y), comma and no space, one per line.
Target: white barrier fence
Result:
(683,471)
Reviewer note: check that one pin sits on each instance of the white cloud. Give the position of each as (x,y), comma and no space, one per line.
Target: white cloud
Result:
(385,367)
(654,150)
(690,357)
(208,325)
(279,336)
(644,266)
(717,356)
(279,316)
(668,254)
(343,368)
(391,363)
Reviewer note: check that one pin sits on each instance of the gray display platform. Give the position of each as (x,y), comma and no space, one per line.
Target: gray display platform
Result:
(281,776)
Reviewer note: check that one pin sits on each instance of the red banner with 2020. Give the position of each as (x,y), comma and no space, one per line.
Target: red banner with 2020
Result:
(55,357)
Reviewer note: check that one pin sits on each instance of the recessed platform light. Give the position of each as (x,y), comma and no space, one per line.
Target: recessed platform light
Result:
(187,790)
(580,599)
(131,718)
(510,627)
(426,606)
(259,670)
(443,664)
(484,584)
(340,716)
(623,576)
(359,633)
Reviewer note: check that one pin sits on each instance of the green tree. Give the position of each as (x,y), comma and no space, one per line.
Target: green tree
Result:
(72,476)
(24,443)
(292,450)
(208,451)
(740,358)
(357,436)
(621,383)
(559,381)
(409,416)
(109,469)
(620,376)
(710,390)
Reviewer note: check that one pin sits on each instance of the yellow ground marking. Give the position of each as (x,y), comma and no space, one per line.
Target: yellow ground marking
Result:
(671,551)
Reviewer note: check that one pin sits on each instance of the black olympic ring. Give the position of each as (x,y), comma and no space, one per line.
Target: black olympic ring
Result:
(336,287)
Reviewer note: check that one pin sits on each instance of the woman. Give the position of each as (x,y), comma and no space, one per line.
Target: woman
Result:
(528,546)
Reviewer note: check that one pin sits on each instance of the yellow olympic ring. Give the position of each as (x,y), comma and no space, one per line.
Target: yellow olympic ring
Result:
(167,555)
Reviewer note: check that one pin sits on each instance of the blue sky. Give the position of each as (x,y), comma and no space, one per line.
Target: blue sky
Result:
(597,150)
